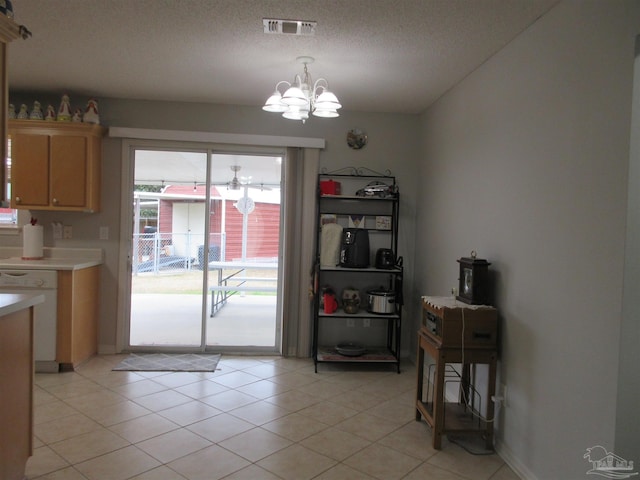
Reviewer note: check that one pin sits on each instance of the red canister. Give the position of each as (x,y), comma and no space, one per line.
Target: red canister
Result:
(329,187)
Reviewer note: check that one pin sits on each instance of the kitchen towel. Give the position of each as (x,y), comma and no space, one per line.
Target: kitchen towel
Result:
(32,237)
(330,244)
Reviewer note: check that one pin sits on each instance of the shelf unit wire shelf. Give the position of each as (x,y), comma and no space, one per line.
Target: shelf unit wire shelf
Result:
(467,411)
(375,211)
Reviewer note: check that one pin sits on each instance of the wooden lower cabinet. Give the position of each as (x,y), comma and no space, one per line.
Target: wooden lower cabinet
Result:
(16,393)
(78,301)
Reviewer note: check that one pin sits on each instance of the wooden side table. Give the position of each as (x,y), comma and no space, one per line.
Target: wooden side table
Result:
(461,417)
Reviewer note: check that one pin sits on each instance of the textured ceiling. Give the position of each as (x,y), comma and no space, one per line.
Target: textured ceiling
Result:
(378,55)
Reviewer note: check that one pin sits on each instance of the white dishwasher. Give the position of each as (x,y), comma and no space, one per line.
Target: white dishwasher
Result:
(43,282)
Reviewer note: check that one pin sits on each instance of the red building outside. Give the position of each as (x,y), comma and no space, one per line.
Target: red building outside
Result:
(181,223)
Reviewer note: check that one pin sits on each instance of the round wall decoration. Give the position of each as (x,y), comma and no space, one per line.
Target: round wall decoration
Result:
(356,138)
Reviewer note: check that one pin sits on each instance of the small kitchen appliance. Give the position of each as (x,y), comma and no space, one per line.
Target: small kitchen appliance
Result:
(385,259)
(354,250)
(381,301)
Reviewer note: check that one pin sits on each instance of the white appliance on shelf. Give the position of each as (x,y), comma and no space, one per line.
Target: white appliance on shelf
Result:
(42,282)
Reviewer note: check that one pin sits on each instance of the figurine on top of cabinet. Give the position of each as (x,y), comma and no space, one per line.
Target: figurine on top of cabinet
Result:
(6,8)
(64,111)
(36,113)
(91,114)
(23,114)
(12,111)
(51,113)
(77,116)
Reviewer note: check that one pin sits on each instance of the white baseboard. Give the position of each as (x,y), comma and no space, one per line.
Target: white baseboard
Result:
(107,350)
(510,459)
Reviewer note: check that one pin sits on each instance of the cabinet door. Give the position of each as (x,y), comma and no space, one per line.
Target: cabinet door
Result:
(68,171)
(77,326)
(29,170)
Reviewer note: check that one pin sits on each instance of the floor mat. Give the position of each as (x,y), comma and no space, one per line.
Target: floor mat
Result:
(168,362)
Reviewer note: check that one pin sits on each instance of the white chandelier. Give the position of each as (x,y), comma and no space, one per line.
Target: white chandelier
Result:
(302,96)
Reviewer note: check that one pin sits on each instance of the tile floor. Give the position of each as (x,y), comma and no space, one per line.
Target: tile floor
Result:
(254,418)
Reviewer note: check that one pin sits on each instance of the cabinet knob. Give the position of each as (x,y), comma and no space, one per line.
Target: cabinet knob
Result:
(55,201)
(18,200)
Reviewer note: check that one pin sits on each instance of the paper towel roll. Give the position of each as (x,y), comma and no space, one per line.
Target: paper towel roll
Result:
(32,242)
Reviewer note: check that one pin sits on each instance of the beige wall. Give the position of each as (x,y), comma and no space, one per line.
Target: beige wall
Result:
(628,420)
(393,144)
(526,162)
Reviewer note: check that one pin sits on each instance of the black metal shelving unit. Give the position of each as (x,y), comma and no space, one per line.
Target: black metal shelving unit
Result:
(377,213)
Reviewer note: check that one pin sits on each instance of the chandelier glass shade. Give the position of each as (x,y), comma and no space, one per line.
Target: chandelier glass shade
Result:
(296,100)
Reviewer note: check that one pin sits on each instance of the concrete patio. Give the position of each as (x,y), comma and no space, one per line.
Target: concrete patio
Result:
(165,320)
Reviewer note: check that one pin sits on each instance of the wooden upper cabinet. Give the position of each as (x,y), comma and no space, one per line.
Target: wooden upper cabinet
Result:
(55,165)
(33,154)
(68,163)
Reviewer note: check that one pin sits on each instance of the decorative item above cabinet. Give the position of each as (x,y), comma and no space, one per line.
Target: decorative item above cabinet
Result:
(55,165)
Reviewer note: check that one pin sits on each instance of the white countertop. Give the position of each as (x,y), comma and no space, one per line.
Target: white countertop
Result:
(54,259)
(14,302)
(48,263)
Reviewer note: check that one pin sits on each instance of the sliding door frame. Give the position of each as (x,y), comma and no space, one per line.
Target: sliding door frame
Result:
(296,332)
(129,148)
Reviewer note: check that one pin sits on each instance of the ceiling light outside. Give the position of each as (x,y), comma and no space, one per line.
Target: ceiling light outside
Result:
(303,97)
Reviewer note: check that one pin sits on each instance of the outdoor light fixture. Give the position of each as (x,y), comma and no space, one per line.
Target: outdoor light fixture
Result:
(303,97)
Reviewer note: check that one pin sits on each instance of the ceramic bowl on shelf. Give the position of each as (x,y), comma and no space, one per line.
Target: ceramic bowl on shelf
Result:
(350,349)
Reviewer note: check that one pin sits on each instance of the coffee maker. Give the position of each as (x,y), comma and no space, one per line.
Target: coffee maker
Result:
(354,249)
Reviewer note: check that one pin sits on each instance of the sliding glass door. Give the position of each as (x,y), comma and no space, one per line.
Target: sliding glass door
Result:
(205,251)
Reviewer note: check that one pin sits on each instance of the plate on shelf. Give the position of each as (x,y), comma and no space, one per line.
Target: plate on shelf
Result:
(350,349)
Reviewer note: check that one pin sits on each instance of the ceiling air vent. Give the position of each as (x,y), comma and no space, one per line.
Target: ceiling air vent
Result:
(289,27)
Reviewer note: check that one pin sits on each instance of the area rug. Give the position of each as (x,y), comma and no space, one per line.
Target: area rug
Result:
(167,362)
